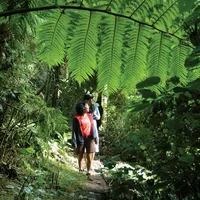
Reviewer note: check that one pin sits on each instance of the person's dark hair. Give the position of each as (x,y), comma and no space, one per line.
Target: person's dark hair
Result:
(88,96)
(80,108)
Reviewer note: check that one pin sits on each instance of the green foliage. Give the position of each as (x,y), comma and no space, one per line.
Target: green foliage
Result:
(178,61)
(125,45)
(158,59)
(133,182)
(115,39)
(135,52)
(186,5)
(166,144)
(148,82)
(111,49)
(52,34)
(51,176)
(83,45)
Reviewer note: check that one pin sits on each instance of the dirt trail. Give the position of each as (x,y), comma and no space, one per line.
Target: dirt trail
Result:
(96,188)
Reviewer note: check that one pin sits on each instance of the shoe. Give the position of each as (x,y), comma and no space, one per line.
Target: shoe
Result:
(81,170)
(88,174)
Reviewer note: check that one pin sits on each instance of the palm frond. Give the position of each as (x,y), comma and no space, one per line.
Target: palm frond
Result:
(136,38)
(109,67)
(83,48)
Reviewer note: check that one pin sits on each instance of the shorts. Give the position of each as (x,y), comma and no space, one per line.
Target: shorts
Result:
(88,146)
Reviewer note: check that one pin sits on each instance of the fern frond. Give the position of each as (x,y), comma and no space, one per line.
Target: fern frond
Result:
(83,49)
(119,6)
(158,57)
(3,5)
(74,3)
(98,4)
(177,63)
(51,38)
(88,3)
(193,74)
(109,67)
(141,9)
(135,55)
(22,25)
(165,15)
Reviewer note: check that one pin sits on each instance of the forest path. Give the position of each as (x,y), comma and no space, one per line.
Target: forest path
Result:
(96,186)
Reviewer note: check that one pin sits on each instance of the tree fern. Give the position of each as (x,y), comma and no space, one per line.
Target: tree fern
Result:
(164,14)
(83,48)
(3,5)
(193,74)
(99,4)
(158,57)
(177,63)
(73,30)
(136,37)
(141,9)
(51,38)
(109,67)
(118,6)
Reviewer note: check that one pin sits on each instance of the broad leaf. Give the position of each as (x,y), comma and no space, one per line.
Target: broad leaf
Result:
(187,158)
(148,82)
(148,94)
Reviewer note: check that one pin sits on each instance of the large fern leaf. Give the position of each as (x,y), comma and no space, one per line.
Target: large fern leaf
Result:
(177,63)
(78,31)
(136,37)
(119,6)
(83,48)
(158,57)
(141,10)
(165,14)
(193,74)
(51,38)
(3,5)
(109,67)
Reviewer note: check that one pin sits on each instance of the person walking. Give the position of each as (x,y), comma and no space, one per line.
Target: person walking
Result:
(83,136)
(94,110)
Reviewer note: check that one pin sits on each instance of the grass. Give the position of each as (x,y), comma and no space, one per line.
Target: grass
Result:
(50,178)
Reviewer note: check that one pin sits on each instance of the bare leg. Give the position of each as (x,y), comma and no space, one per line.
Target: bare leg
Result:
(85,158)
(80,160)
(93,155)
(90,157)
(80,157)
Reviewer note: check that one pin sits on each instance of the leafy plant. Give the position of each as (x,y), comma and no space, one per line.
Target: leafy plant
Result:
(123,41)
(166,144)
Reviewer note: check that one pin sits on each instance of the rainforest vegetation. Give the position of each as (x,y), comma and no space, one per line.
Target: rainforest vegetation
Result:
(140,58)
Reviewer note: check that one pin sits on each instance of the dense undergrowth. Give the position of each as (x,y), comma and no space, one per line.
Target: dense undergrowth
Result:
(159,138)
(51,176)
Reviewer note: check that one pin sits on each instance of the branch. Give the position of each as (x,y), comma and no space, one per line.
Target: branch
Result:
(26,10)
